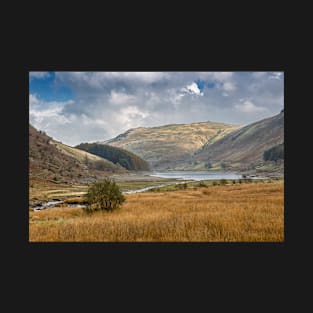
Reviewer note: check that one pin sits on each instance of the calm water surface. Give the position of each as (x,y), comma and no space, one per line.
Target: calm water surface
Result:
(189,175)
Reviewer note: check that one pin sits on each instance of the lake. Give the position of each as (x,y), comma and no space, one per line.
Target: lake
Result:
(190,175)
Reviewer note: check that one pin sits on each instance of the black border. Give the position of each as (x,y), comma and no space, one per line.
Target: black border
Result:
(171,59)
(190,36)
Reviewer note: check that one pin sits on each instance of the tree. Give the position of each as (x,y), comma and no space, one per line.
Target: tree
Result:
(103,195)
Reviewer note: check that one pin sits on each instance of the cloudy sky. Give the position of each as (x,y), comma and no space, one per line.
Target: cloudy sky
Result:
(75,107)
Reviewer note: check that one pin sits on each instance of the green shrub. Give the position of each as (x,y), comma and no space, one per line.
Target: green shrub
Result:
(202,184)
(103,195)
(181,186)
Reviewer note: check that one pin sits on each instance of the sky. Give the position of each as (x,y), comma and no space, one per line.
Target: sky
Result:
(76,107)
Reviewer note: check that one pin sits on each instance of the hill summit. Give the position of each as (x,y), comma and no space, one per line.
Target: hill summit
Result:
(165,146)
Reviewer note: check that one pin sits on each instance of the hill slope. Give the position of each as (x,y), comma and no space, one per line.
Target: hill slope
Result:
(244,148)
(53,161)
(165,146)
(116,155)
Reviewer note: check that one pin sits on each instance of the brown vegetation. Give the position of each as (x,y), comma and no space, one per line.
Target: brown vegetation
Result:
(55,162)
(248,212)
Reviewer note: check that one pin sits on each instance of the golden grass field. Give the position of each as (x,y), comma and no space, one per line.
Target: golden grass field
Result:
(249,212)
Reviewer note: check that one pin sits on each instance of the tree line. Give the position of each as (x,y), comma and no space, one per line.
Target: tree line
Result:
(116,155)
(275,153)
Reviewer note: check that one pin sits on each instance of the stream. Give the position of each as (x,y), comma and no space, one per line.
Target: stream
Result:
(183,176)
(53,203)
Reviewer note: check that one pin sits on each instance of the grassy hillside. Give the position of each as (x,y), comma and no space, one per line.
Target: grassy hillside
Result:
(165,146)
(116,155)
(78,154)
(245,147)
(53,161)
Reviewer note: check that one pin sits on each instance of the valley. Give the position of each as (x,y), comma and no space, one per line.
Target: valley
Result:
(199,182)
(208,146)
(155,156)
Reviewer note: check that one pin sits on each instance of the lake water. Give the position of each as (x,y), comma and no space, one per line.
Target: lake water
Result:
(190,175)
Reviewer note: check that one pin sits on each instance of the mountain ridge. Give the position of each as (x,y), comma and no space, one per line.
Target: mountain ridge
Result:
(163,146)
(216,146)
(244,148)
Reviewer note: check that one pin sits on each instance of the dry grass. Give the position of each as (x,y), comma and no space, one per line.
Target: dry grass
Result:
(165,142)
(248,212)
(45,191)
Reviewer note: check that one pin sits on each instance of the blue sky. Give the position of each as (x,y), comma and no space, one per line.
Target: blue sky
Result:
(48,89)
(76,107)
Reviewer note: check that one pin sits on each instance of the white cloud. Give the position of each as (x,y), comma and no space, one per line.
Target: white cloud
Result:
(121,98)
(108,103)
(39,105)
(223,80)
(276,75)
(147,77)
(49,116)
(129,114)
(222,76)
(123,119)
(259,75)
(33,100)
(42,114)
(229,86)
(193,89)
(216,76)
(39,75)
(102,80)
(247,106)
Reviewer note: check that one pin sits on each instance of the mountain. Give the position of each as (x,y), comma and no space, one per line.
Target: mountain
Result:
(56,162)
(116,155)
(166,146)
(245,147)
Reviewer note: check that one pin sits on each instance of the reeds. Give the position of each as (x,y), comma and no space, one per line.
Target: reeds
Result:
(248,212)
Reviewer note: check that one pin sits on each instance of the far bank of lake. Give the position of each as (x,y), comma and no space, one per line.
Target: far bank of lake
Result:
(196,175)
